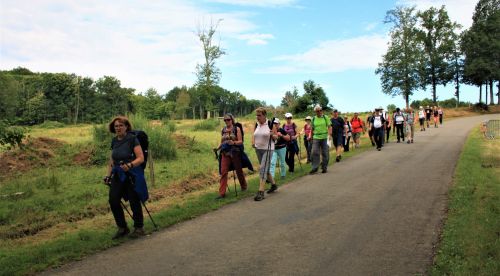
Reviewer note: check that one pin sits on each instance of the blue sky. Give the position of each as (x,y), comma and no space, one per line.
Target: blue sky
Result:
(271,45)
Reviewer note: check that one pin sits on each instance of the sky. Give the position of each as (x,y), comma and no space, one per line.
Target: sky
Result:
(271,45)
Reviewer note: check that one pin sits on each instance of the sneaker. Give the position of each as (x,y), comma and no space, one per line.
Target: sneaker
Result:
(138,232)
(337,159)
(379,149)
(122,232)
(313,171)
(220,197)
(399,141)
(323,171)
(273,188)
(412,141)
(259,196)
(408,141)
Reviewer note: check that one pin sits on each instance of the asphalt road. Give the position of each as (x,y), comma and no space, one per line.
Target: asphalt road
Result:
(378,213)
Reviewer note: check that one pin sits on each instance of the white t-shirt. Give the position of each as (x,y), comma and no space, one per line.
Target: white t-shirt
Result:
(421,114)
(262,135)
(377,122)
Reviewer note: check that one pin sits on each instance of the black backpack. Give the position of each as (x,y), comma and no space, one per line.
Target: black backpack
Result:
(144,141)
(269,124)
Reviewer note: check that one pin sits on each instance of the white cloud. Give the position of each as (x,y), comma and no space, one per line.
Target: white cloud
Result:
(334,56)
(371,26)
(143,44)
(256,39)
(459,10)
(258,3)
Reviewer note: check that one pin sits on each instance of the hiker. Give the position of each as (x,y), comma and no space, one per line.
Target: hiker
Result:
(410,125)
(377,124)
(231,148)
(279,150)
(387,127)
(338,132)
(263,138)
(428,113)
(435,113)
(320,131)
(421,118)
(440,112)
(306,131)
(125,167)
(357,128)
(370,130)
(292,148)
(399,124)
(347,133)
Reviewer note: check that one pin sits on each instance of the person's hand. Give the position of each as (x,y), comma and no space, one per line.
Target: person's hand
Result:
(125,166)
(107,180)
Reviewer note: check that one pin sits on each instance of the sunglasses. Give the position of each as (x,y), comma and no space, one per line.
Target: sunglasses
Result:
(227,120)
(289,118)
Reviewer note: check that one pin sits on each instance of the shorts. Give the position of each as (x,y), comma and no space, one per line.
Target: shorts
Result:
(356,135)
(338,140)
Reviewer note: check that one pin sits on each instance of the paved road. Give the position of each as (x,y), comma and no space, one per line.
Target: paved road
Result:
(378,213)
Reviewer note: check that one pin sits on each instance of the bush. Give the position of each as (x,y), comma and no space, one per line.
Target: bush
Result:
(11,136)
(210,124)
(480,107)
(51,124)
(161,143)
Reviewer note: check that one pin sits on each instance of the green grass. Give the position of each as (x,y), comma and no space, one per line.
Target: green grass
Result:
(470,242)
(72,198)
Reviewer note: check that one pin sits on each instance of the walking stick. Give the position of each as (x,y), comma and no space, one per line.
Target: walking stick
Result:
(268,157)
(298,155)
(234,181)
(151,169)
(108,183)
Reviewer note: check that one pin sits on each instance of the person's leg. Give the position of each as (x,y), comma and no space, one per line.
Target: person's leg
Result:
(325,154)
(379,137)
(315,154)
(239,170)
(281,158)
(412,130)
(290,157)
(224,169)
(135,205)
(308,145)
(440,119)
(273,163)
(116,192)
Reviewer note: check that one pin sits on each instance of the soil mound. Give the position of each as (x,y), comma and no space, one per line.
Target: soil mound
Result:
(34,152)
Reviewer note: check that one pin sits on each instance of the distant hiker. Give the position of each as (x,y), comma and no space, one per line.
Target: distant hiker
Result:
(435,113)
(440,112)
(421,118)
(347,133)
(125,165)
(292,147)
(279,150)
(306,131)
(428,114)
(410,125)
(231,149)
(357,128)
(338,133)
(377,124)
(320,131)
(370,130)
(387,126)
(263,138)
(399,124)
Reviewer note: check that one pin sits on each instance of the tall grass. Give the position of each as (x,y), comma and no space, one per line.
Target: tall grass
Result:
(210,124)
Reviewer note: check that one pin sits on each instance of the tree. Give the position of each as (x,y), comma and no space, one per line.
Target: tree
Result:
(437,35)
(290,98)
(316,93)
(208,74)
(9,90)
(183,101)
(399,69)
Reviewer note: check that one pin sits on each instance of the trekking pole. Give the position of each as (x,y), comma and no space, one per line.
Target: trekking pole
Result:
(121,201)
(268,157)
(298,154)
(151,169)
(234,181)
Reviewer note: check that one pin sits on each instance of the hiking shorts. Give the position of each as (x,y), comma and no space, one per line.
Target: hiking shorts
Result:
(356,136)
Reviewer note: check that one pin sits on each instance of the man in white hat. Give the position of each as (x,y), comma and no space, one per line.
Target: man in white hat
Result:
(320,131)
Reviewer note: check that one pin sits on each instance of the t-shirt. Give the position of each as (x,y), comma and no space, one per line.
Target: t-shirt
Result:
(377,121)
(290,129)
(399,118)
(421,114)
(320,127)
(428,112)
(337,125)
(121,150)
(307,130)
(357,125)
(262,134)
(281,142)
(409,118)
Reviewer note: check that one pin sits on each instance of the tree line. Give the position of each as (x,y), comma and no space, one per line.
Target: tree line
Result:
(33,98)
(427,49)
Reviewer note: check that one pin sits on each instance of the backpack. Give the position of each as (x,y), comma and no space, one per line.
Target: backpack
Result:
(144,141)
(269,124)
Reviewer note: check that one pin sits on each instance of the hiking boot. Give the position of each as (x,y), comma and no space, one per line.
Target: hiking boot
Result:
(337,159)
(122,232)
(412,141)
(408,141)
(379,149)
(273,188)
(313,171)
(259,196)
(138,232)
(323,171)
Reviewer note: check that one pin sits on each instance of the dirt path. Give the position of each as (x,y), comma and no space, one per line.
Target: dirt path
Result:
(377,213)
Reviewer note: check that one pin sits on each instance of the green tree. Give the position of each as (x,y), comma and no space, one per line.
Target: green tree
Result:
(183,101)
(9,91)
(399,69)
(437,34)
(290,99)
(316,93)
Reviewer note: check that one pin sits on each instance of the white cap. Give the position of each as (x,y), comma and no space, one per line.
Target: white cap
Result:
(317,107)
(276,121)
(288,115)
(308,118)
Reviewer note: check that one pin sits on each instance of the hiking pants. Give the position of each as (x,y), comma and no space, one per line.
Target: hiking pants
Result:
(308,146)
(378,136)
(119,190)
(346,143)
(320,147)
(278,154)
(290,155)
(440,119)
(410,131)
(226,161)
(399,131)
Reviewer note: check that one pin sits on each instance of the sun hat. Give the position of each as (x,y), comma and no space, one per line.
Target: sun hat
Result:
(288,115)
(317,107)
(276,121)
(308,118)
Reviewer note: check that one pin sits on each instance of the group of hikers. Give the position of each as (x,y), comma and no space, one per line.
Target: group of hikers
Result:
(274,142)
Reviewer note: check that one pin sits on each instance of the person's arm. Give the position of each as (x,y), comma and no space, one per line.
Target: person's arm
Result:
(110,166)
(139,159)
(253,138)
(239,140)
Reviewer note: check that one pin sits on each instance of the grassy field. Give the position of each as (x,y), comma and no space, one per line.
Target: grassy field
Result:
(470,242)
